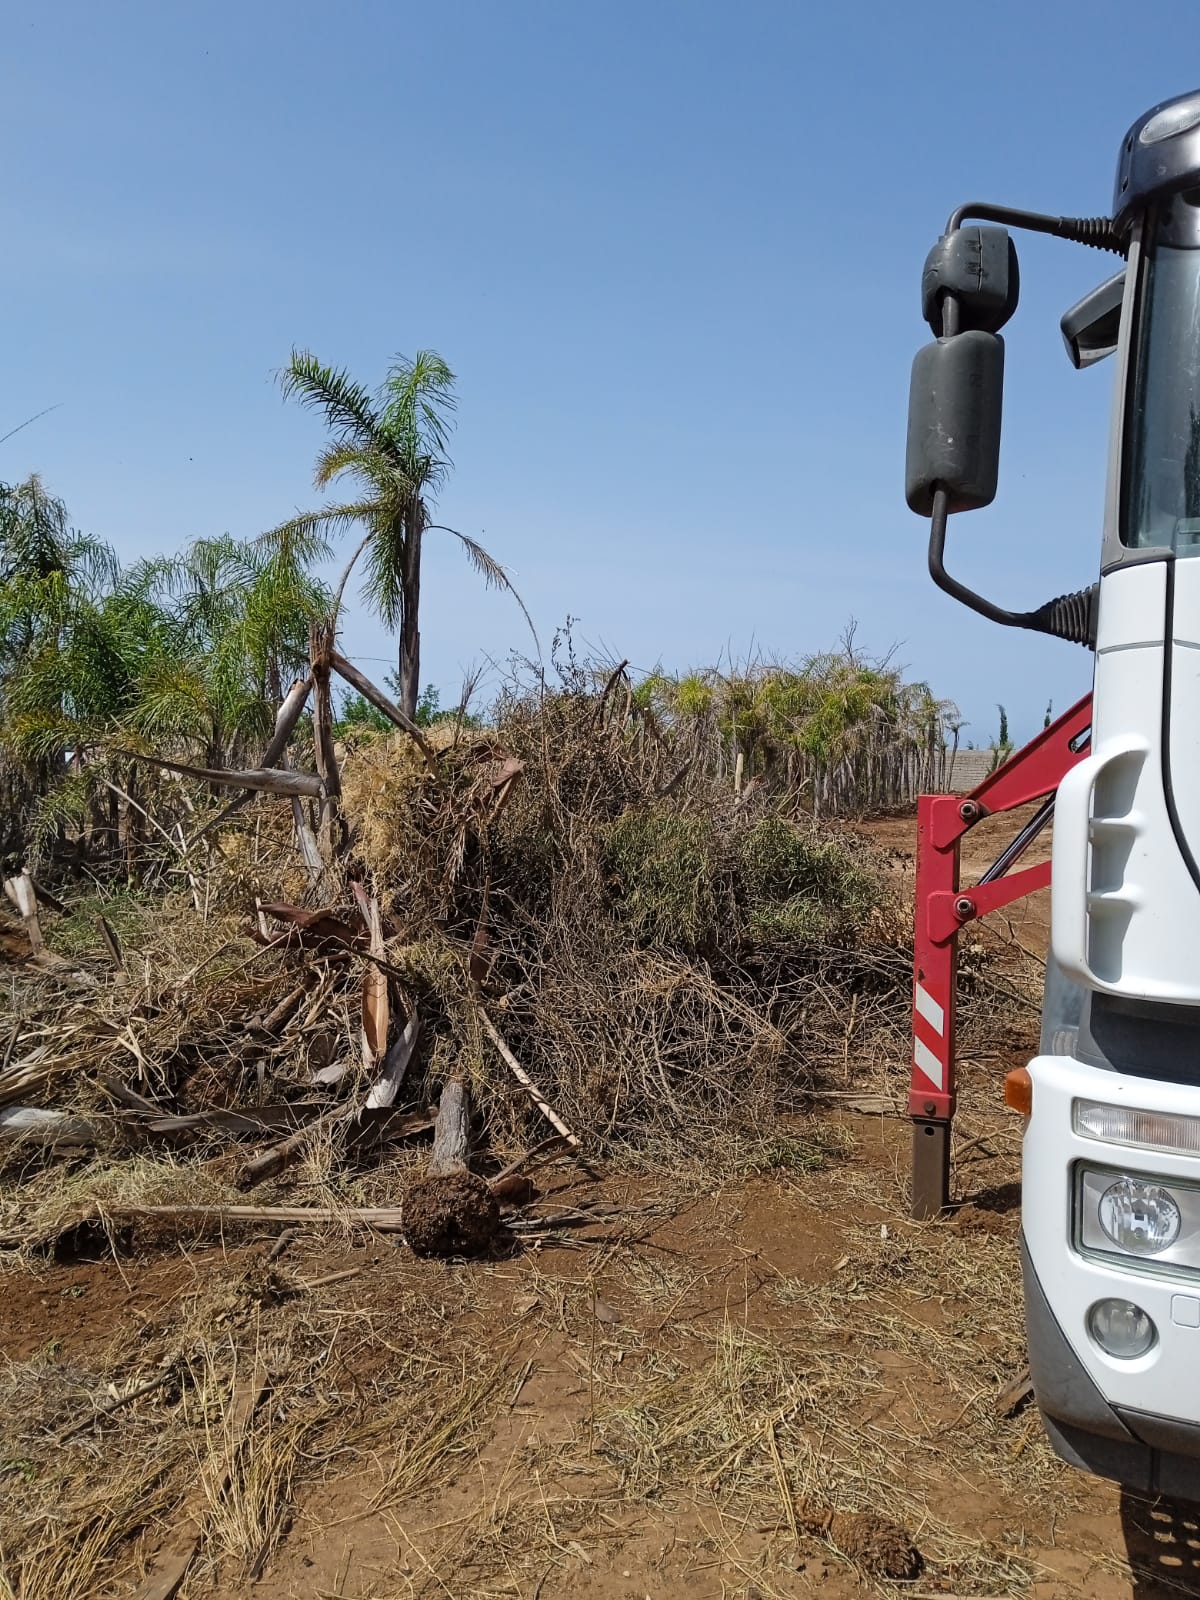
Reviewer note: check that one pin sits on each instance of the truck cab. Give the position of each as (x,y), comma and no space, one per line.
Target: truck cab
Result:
(1111,1154)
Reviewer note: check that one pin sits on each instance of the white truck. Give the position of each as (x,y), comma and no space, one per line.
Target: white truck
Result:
(1111,1157)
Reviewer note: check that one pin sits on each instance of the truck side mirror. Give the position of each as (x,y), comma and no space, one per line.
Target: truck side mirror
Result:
(1092,326)
(978,266)
(955,402)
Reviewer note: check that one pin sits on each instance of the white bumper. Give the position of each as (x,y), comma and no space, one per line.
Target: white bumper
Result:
(1166,1381)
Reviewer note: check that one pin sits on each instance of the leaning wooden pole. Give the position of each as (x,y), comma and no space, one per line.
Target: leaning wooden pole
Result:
(331,832)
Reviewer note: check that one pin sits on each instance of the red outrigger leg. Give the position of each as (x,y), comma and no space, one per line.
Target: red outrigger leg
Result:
(941,907)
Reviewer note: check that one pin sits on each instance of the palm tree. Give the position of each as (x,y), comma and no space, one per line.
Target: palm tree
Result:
(239,613)
(393,446)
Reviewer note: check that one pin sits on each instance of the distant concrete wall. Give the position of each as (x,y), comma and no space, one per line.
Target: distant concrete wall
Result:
(970,767)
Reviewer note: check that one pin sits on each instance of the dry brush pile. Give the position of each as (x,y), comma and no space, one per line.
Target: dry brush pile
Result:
(555,925)
(556,913)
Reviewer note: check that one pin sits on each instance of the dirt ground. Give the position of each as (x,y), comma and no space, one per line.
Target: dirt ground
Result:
(656,1400)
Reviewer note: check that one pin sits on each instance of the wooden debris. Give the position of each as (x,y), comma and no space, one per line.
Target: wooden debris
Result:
(29,1073)
(387,1086)
(331,830)
(267,780)
(130,1097)
(371,1123)
(45,898)
(536,1154)
(269,1163)
(111,944)
(526,1082)
(285,1240)
(384,1219)
(114,1403)
(451,1211)
(321,926)
(20,891)
(1015,1394)
(514,1190)
(364,1118)
(374,986)
(286,718)
(331,1277)
(359,680)
(53,1129)
(280,1014)
(452,1131)
(306,841)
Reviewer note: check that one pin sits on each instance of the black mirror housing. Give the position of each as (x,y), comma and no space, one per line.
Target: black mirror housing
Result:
(1092,327)
(955,403)
(978,266)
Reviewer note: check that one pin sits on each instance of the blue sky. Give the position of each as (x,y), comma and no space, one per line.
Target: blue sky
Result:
(672,251)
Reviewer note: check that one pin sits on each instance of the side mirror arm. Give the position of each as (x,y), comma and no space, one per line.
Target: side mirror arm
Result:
(1069,616)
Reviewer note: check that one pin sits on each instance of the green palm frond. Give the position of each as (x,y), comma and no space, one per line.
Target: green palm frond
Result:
(346,405)
(172,700)
(310,530)
(385,562)
(419,404)
(341,455)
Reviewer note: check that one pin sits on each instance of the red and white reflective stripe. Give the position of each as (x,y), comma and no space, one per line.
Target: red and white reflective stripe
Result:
(929,1062)
(926,1062)
(927,1007)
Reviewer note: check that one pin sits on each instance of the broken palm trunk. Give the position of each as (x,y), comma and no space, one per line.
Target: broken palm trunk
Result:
(20,891)
(451,1211)
(331,829)
(358,680)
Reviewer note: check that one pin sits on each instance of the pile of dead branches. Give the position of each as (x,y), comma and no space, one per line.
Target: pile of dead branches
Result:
(552,918)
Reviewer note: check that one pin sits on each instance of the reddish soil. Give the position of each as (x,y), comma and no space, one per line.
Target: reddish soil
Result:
(632,1307)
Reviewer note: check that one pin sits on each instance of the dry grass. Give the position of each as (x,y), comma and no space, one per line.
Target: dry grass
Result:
(73,1514)
(84,1503)
(871,1391)
(248,1469)
(677,975)
(433,1420)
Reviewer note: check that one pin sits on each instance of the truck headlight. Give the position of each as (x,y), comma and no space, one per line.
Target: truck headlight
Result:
(1121,1329)
(1138,1216)
(1139,1221)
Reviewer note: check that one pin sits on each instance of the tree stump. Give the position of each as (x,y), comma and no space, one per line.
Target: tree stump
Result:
(450,1211)
(877,1546)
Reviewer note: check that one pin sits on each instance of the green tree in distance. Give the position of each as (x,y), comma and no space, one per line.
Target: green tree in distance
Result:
(393,446)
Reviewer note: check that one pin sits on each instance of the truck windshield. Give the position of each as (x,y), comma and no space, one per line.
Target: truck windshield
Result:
(1162,477)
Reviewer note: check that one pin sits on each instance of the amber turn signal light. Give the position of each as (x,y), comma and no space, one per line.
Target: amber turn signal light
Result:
(1018,1091)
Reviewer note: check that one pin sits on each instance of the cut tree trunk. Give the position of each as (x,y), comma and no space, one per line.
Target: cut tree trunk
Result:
(286,718)
(451,1211)
(410,611)
(331,831)
(271,780)
(359,680)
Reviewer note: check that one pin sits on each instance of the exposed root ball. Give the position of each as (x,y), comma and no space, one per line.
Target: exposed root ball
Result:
(877,1547)
(450,1214)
